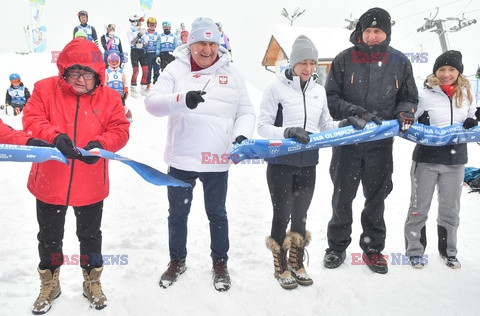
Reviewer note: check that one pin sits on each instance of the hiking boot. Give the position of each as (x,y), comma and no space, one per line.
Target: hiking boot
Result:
(452,262)
(92,288)
(296,257)
(417,262)
(49,291)
(282,273)
(175,268)
(333,259)
(221,277)
(376,262)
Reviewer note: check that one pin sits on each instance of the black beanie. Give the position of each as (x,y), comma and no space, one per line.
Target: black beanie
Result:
(449,58)
(378,18)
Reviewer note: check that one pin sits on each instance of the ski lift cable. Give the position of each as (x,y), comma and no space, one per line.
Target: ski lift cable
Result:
(443,5)
(398,5)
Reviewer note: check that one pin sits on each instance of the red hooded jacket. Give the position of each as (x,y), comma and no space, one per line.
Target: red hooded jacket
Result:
(56,108)
(10,136)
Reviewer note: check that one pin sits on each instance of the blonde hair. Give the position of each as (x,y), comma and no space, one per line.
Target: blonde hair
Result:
(461,82)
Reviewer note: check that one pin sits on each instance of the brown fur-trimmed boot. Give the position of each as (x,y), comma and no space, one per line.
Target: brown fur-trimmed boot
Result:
(92,288)
(282,274)
(295,258)
(49,291)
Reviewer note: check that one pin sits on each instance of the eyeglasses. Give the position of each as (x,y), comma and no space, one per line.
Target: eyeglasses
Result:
(85,75)
(111,26)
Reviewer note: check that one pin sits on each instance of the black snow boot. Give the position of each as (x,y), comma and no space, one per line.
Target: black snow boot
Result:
(333,259)
(221,277)
(175,268)
(376,262)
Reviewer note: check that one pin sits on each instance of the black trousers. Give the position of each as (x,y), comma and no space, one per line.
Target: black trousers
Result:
(371,163)
(291,190)
(51,221)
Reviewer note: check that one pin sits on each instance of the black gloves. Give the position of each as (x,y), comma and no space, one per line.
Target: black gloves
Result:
(405,120)
(193,98)
(297,132)
(356,122)
(424,118)
(477,112)
(239,139)
(469,123)
(66,147)
(360,111)
(91,159)
(38,142)
(139,34)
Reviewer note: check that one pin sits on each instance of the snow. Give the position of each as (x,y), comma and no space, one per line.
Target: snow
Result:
(135,224)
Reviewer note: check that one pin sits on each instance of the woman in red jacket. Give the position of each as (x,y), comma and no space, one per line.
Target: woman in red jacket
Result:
(73,109)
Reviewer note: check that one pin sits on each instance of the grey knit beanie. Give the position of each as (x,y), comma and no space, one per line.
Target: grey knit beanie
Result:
(204,30)
(303,49)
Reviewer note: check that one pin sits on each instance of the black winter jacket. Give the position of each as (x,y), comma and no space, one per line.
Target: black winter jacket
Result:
(378,78)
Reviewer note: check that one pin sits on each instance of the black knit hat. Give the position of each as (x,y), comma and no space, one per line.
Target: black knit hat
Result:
(449,58)
(378,18)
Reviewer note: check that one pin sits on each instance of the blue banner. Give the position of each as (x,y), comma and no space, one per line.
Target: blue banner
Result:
(264,148)
(436,136)
(30,154)
(39,30)
(146,172)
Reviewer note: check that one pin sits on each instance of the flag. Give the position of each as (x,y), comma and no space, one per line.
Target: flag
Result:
(39,30)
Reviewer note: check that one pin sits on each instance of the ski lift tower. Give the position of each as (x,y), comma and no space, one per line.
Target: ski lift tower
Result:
(440,29)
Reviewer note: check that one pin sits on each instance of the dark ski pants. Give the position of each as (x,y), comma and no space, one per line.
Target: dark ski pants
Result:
(51,222)
(291,190)
(180,201)
(372,164)
(166,58)
(138,56)
(152,66)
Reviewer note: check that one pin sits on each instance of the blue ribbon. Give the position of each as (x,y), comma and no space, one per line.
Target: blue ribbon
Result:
(264,148)
(30,154)
(148,173)
(42,154)
(435,136)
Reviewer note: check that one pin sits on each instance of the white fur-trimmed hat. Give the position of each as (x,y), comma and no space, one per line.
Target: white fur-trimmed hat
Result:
(204,30)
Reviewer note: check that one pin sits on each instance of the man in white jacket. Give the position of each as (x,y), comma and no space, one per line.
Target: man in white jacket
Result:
(209,108)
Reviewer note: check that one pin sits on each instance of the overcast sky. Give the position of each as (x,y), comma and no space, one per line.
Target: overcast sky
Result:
(248,23)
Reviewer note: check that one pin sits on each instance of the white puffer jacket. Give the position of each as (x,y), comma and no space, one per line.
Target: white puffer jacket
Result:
(200,139)
(441,112)
(284,105)
(307,109)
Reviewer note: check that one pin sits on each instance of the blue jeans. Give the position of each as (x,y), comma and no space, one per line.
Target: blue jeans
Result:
(152,65)
(180,201)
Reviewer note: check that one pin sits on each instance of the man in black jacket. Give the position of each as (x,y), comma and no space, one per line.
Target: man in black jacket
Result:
(374,81)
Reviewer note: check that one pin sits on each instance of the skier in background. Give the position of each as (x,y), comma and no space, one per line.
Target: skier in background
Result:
(225,40)
(166,45)
(137,54)
(17,95)
(116,79)
(151,38)
(111,44)
(183,34)
(84,26)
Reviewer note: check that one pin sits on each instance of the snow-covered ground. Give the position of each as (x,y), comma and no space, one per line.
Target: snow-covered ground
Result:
(135,224)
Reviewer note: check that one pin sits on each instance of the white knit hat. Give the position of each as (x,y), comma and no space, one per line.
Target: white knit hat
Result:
(303,49)
(204,30)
